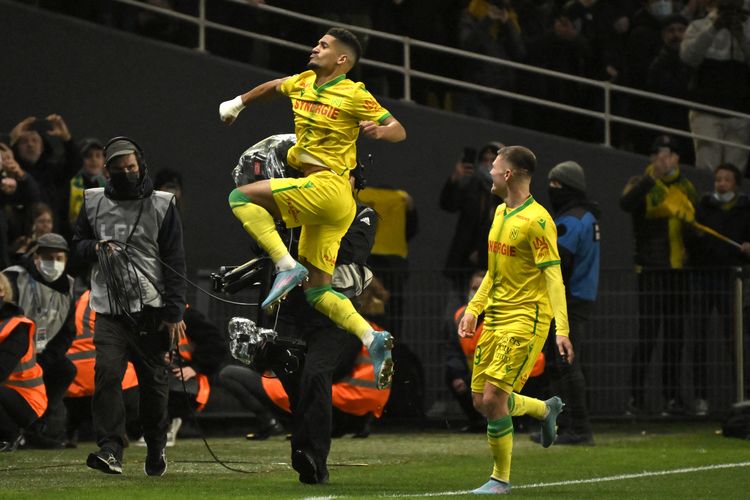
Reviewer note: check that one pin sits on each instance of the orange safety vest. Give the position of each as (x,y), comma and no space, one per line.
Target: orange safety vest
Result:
(469,345)
(26,378)
(185,348)
(356,394)
(83,353)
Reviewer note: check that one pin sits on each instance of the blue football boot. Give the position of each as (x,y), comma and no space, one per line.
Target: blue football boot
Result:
(493,487)
(549,426)
(380,355)
(284,283)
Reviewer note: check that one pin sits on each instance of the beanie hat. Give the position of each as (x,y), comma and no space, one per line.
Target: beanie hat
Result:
(570,174)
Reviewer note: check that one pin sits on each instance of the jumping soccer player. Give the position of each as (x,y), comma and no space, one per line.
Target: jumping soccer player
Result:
(520,294)
(329,113)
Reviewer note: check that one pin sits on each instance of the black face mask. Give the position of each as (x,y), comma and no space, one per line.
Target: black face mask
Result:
(126,183)
(559,197)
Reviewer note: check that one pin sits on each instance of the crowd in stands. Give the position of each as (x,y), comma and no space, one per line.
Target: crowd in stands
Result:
(633,43)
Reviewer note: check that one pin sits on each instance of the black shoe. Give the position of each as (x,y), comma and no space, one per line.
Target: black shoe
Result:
(273,428)
(37,440)
(304,464)
(105,461)
(156,462)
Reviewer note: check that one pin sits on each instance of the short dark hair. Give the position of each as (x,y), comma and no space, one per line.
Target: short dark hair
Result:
(520,158)
(349,39)
(730,168)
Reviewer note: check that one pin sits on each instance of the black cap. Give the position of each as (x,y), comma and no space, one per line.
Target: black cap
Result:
(663,141)
(89,142)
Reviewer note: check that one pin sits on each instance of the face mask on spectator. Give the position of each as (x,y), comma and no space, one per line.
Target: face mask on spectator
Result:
(724,197)
(51,269)
(661,8)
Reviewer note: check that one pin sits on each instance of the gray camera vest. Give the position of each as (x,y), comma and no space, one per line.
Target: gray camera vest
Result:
(116,220)
(47,307)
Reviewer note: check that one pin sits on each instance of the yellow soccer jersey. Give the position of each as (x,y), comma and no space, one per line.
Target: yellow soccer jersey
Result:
(521,243)
(326,119)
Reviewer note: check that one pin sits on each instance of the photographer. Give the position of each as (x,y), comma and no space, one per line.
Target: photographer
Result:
(717,47)
(133,236)
(467,191)
(32,141)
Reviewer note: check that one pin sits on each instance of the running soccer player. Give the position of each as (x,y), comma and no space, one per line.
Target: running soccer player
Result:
(329,113)
(520,294)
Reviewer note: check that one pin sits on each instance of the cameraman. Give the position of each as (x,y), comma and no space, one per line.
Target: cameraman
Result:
(718,48)
(132,235)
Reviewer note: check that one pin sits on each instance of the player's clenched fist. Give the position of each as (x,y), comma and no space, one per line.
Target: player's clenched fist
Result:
(229,110)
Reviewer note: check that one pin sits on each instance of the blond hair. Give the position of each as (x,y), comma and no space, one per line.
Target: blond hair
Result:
(6,288)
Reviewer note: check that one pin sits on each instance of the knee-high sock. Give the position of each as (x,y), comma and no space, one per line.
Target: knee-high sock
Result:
(500,438)
(258,222)
(336,306)
(524,405)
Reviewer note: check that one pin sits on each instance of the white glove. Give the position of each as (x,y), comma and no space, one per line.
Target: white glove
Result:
(229,110)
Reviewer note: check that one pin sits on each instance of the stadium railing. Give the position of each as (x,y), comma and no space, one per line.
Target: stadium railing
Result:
(609,90)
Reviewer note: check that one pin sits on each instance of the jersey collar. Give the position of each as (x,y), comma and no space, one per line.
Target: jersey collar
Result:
(329,83)
(525,204)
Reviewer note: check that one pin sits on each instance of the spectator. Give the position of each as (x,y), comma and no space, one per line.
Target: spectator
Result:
(459,360)
(668,75)
(36,155)
(467,191)
(643,45)
(45,291)
(79,394)
(18,194)
(170,181)
(661,203)
(562,49)
(22,396)
(149,299)
(42,222)
(727,211)
(577,220)
(490,28)
(718,48)
(91,175)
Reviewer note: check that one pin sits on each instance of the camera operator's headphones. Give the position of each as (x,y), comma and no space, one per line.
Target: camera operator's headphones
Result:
(138,150)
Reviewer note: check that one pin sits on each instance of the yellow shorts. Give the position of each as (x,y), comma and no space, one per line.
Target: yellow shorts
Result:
(505,358)
(322,203)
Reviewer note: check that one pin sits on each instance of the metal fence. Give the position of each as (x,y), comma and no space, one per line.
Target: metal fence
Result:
(687,324)
(409,69)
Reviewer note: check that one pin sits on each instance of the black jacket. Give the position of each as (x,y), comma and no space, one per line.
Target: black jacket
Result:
(210,345)
(476,206)
(732,220)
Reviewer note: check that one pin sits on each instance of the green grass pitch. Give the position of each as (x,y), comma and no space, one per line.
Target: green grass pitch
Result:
(656,460)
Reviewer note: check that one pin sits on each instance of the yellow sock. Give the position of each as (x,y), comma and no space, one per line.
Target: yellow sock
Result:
(500,438)
(258,222)
(338,308)
(524,405)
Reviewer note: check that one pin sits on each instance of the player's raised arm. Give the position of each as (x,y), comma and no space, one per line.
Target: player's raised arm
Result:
(390,130)
(229,110)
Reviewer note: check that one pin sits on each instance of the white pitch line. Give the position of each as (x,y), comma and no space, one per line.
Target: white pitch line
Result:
(619,477)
